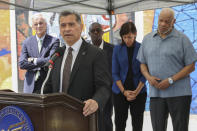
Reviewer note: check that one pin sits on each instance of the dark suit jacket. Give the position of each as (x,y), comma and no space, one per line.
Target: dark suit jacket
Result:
(120,66)
(107,124)
(108,48)
(30,49)
(90,78)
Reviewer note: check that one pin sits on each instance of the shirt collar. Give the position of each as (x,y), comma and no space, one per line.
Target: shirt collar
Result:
(172,33)
(101,45)
(42,38)
(155,33)
(75,46)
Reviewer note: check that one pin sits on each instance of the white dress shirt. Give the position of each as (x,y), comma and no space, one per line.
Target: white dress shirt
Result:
(39,46)
(76,46)
(101,45)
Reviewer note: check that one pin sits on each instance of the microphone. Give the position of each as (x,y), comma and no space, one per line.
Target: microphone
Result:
(53,58)
(58,52)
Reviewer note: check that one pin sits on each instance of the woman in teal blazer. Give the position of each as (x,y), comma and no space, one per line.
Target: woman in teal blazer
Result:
(128,82)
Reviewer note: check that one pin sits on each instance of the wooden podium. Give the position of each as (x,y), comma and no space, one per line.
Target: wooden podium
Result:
(51,112)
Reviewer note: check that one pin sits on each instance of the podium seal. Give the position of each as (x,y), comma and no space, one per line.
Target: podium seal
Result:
(13,118)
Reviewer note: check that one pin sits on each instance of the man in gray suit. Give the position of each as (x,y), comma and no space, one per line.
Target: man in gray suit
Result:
(36,51)
(82,70)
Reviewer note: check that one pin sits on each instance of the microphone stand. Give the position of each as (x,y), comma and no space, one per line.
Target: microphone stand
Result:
(58,52)
(46,79)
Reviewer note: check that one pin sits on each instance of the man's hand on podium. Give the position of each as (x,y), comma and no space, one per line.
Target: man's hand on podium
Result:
(90,107)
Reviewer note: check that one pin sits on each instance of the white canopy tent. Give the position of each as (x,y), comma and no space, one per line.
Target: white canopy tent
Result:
(91,6)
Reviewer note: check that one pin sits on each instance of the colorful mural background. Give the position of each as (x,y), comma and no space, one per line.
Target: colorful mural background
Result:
(23,30)
(5,51)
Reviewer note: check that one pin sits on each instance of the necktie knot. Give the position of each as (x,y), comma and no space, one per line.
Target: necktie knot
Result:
(70,49)
(40,41)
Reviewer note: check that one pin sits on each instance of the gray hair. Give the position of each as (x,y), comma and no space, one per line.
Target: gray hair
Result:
(38,15)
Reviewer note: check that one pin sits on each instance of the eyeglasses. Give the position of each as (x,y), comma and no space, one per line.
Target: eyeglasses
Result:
(97,30)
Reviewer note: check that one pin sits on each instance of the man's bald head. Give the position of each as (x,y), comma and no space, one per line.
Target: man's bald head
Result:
(95,24)
(167,12)
(166,21)
(96,33)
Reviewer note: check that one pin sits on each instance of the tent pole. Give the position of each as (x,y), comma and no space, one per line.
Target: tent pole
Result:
(111,12)
(32,4)
(111,30)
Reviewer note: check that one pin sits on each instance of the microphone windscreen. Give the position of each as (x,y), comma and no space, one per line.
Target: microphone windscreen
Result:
(60,50)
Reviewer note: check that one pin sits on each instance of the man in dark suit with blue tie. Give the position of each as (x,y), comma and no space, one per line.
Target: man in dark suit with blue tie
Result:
(36,52)
(82,70)
(96,33)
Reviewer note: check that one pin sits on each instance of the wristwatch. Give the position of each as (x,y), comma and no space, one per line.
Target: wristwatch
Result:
(170,80)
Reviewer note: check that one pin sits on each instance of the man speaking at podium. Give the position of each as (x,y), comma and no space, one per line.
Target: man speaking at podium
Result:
(82,71)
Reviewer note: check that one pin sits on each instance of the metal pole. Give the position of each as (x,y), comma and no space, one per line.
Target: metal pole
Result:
(110,12)
(111,30)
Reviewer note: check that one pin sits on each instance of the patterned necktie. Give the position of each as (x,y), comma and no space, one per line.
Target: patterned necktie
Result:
(67,70)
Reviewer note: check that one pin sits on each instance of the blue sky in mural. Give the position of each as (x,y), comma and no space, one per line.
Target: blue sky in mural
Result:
(186,21)
(4,52)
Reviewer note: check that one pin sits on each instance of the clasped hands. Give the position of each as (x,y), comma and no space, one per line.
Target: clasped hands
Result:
(130,95)
(30,59)
(158,83)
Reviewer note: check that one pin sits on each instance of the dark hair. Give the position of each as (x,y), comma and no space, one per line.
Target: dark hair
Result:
(66,13)
(126,28)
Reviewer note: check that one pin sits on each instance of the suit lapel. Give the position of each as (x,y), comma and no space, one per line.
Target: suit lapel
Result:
(34,46)
(57,72)
(44,46)
(80,55)
(104,46)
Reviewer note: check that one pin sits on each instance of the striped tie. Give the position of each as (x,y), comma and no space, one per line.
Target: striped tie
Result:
(67,70)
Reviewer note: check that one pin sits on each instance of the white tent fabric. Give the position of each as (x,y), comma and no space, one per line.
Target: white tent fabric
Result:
(91,6)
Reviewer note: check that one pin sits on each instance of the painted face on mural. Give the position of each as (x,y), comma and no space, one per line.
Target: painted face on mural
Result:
(70,29)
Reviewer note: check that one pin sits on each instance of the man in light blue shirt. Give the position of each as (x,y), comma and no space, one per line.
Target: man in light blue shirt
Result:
(167,58)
